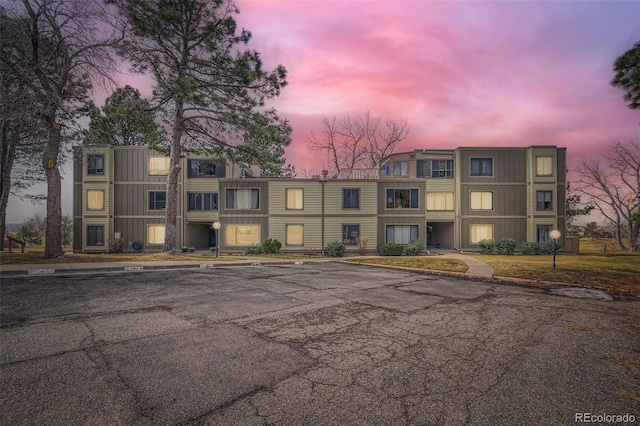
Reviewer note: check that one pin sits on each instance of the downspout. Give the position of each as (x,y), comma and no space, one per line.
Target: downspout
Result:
(323,180)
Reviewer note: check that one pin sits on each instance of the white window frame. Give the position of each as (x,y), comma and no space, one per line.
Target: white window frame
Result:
(294,201)
(234,230)
(473,230)
(544,167)
(156,234)
(289,238)
(486,200)
(101,200)
(432,197)
(154,165)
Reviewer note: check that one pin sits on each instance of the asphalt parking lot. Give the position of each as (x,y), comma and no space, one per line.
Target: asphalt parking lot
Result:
(327,343)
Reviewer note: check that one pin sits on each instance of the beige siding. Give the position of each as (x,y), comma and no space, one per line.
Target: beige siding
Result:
(507,164)
(260,184)
(132,165)
(401,220)
(368,229)
(502,228)
(312,231)
(334,197)
(133,200)
(312,197)
(508,200)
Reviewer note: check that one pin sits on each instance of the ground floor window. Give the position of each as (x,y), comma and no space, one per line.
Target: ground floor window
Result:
(350,234)
(95,235)
(481,232)
(295,235)
(401,234)
(155,234)
(543,233)
(243,235)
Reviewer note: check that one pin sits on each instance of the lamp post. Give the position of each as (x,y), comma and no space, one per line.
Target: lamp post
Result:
(555,234)
(216,225)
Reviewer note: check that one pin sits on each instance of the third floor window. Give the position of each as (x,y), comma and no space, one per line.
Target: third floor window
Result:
(435,168)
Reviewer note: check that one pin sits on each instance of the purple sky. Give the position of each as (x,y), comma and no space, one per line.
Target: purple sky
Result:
(461,73)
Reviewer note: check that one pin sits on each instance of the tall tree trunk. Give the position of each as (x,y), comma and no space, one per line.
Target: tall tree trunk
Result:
(7,154)
(171,209)
(53,245)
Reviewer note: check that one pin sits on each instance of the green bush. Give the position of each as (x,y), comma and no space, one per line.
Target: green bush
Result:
(335,249)
(529,248)
(533,248)
(271,246)
(390,249)
(506,246)
(414,248)
(486,246)
(253,249)
(547,247)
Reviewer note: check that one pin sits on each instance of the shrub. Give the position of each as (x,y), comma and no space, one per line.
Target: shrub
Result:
(547,247)
(253,249)
(528,248)
(271,246)
(486,246)
(506,246)
(414,248)
(532,248)
(390,249)
(335,249)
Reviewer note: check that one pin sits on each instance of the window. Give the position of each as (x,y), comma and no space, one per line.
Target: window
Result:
(401,168)
(155,234)
(158,166)
(295,235)
(95,235)
(544,166)
(95,164)
(401,234)
(482,167)
(385,168)
(243,199)
(95,200)
(481,200)
(435,168)
(157,200)
(439,201)
(295,199)
(402,198)
(481,232)
(202,201)
(205,169)
(543,233)
(543,199)
(243,235)
(350,234)
(210,201)
(351,198)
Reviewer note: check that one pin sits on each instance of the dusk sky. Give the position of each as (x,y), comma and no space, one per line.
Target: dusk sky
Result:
(461,73)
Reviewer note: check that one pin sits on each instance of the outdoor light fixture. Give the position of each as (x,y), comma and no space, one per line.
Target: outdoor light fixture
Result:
(217,226)
(554,235)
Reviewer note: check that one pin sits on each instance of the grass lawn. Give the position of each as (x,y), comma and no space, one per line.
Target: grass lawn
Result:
(420,262)
(35,256)
(615,274)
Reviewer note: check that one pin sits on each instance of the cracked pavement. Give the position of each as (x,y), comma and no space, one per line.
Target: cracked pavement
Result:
(325,343)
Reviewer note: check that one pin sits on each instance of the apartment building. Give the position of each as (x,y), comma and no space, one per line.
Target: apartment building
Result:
(449,199)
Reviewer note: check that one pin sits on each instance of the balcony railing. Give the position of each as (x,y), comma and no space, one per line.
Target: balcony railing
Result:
(359,174)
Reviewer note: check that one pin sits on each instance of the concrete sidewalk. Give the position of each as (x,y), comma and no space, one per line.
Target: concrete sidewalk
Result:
(476,268)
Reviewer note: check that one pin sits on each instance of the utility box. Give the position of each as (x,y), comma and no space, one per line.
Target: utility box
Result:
(572,245)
